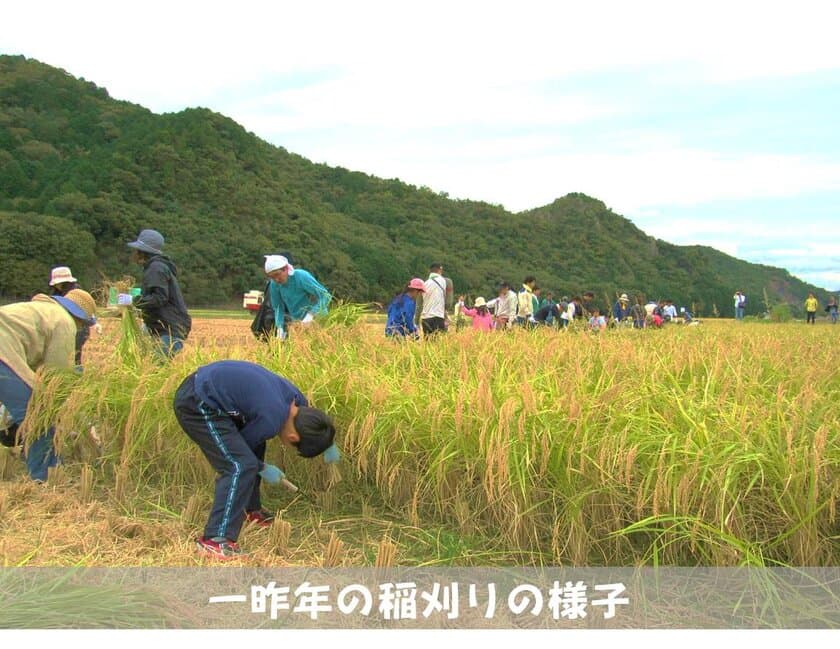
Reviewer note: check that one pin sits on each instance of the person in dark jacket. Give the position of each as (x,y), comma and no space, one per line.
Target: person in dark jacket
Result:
(231,409)
(160,302)
(621,309)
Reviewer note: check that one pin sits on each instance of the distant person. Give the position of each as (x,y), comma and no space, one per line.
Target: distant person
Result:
(669,311)
(621,309)
(434,314)
(588,305)
(296,295)
(831,309)
(686,314)
(659,314)
(525,304)
(504,307)
(547,314)
(639,314)
(482,319)
(740,305)
(553,314)
(160,302)
(597,322)
(230,409)
(36,334)
(400,323)
(61,283)
(811,306)
(576,308)
(563,306)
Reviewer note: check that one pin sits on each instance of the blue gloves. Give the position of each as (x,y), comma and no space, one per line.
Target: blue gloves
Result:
(331,455)
(272,474)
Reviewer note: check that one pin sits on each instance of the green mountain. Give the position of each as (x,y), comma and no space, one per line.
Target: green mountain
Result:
(81,174)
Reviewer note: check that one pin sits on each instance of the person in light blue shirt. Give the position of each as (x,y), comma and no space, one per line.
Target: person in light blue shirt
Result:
(295,294)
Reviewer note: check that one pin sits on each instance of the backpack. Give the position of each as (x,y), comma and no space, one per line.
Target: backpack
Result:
(263,325)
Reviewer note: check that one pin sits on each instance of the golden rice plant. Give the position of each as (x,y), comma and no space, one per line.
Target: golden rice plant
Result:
(334,551)
(713,445)
(86,484)
(386,553)
(280,534)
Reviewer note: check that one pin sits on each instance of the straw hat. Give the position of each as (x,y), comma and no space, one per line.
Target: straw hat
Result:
(479,301)
(79,304)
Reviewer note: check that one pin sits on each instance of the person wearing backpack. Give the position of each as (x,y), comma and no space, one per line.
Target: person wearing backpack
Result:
(401,310)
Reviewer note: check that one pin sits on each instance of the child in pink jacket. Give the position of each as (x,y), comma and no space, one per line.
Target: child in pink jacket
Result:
(482,319)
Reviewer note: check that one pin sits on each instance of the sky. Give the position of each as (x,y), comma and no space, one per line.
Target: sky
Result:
(711,123)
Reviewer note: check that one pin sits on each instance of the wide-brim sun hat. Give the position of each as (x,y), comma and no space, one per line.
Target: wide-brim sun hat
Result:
(417,284)
(624,298)
(148,241)
(79,304)
(61,275)
(479,301)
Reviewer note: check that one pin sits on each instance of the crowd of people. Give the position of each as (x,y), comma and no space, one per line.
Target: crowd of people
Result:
(427,303)
(231,409)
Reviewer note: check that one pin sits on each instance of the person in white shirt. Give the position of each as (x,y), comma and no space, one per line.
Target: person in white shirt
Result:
(504,307)
(433,315)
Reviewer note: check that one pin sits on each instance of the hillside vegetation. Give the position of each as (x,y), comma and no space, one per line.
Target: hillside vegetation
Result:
(82,173)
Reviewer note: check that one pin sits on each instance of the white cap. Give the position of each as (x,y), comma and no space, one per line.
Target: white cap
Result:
(275,262)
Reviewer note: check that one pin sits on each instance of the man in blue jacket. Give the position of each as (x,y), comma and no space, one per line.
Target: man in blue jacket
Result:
(295,294)
(231,409)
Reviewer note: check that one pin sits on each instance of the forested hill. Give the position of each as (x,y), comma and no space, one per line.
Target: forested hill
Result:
(82,173)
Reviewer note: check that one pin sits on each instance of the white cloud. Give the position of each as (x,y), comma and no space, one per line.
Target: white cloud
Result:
(440,93)
(175,54)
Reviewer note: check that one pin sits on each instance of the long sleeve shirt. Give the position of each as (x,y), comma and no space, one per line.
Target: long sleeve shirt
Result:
(34,334)
(301,294)
(259,400)
(161,303)
(505,305)
(401,316)
(526,302)
(484,322)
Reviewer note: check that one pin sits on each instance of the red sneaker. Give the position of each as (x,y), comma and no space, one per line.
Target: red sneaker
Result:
(261,517)
(223,550)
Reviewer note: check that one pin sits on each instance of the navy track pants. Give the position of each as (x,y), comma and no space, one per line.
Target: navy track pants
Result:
(236,463)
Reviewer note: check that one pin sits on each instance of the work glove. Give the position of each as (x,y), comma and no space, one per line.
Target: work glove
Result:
(272,474)
(98,328)
(280,333)
(331,455)
(307,318)
(532,320)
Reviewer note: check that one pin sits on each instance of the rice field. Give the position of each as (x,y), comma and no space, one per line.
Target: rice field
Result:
(715,445)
